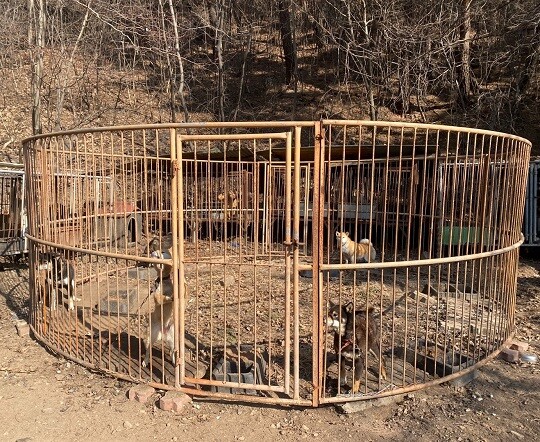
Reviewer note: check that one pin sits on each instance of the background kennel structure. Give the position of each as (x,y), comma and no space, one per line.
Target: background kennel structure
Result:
(246,215)
(12,210)
(531,220)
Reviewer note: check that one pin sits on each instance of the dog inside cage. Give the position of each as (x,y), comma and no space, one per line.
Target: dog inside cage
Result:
(58,276)
(355,335)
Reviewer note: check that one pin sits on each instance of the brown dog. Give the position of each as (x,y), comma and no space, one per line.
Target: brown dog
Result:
(354,252)
(350,332)
(161,326)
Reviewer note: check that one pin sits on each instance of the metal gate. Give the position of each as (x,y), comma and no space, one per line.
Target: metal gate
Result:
(234,331)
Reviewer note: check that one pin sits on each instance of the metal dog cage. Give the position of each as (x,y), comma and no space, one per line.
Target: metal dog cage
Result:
(245,214)
(12,210)
(531,220)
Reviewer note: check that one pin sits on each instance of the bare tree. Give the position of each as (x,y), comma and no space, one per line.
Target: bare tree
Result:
(181,79)
(218,53)
(465,81)
(287,41)
(35,41)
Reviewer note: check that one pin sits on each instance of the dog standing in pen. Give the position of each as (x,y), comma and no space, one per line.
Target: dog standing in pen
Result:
(354,252)
(354,333)
(59,277)
(161,327)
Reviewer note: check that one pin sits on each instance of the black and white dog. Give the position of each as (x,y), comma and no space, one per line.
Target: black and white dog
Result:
(60,277)
(354,333)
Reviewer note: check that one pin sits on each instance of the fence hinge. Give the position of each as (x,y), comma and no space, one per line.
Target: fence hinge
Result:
(175,166)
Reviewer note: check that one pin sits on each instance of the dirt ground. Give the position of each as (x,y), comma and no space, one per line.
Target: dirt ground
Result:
(44,397)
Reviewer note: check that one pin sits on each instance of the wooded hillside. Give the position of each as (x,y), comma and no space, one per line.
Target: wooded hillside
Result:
(75,63)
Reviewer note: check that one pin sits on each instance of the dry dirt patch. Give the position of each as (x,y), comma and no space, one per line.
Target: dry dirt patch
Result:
(43,397)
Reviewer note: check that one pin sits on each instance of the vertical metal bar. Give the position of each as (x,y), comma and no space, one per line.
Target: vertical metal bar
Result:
(296,240)
(180,305)
(288,249)
(534,205)
(318,213)
(176,143)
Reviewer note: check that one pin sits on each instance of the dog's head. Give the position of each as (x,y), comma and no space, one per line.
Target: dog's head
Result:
(337,317)
(48,261)
(159,243)
(342,237)
(230,199)
(164,268)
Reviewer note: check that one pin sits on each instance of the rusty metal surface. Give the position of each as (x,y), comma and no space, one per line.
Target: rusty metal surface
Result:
(221,238)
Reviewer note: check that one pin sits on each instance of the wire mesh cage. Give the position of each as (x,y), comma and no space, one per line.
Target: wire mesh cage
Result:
(294,262)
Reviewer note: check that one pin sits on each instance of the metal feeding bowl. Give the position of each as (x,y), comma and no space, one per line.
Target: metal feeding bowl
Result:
(531,358)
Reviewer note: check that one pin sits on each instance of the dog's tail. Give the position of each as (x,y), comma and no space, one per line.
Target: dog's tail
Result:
(372,253)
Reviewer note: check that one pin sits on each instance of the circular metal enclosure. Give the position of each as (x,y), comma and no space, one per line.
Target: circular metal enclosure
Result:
(280,262)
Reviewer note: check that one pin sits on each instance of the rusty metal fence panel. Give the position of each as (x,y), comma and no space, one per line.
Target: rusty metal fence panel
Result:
(216,258)
(439,284)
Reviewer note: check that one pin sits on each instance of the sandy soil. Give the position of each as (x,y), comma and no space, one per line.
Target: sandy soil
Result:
(44,397)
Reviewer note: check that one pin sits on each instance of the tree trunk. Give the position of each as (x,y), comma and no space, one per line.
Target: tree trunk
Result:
(182,80)
(464,71)
(243,76)
(368,74)
(219,56)
(287,40)
(35,40)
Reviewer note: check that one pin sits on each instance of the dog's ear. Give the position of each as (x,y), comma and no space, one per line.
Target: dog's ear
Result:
(329,305)
(349,307)
(347,233)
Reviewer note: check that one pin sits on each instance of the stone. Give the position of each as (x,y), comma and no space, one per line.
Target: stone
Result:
(143,273)
(140,393)
(23,329)
(357,406)
(228,281)
(174,401)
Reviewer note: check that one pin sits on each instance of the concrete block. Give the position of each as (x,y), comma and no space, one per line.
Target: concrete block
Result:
(465,379)
(520,346)
(510,355)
